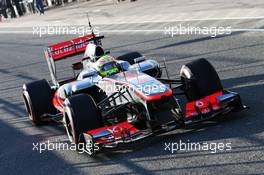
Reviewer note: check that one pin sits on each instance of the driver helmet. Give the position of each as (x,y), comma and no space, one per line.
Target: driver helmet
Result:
(106,65)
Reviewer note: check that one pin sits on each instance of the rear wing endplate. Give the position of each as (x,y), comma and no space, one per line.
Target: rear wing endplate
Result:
(67,49)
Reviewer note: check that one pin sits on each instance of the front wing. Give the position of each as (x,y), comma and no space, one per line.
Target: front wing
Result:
(219,103)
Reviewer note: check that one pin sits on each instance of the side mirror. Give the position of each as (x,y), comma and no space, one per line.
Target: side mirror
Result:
(139,59)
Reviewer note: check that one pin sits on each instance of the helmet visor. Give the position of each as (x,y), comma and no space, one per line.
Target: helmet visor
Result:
(108,69)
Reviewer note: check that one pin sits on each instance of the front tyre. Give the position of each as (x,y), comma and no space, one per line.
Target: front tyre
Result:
(201,79)
(80,115)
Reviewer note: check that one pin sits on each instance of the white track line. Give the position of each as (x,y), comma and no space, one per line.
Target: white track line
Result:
(172,20)
(163,30)
(190,19)
(224,18)
(124,31)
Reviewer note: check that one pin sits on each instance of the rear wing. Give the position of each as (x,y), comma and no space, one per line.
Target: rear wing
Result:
(67,49)
(70,48)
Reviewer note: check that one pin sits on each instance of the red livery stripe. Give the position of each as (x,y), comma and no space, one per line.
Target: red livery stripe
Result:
(203,104)
(68,48)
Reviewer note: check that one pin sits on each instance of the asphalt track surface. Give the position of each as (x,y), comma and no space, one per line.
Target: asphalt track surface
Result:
(239,60)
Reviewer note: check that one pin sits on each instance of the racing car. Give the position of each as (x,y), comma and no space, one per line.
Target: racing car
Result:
(112,100)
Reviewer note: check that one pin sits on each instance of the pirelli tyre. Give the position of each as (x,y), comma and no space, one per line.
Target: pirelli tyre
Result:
(80,115)
(37,98)
(200,79)
(130,57)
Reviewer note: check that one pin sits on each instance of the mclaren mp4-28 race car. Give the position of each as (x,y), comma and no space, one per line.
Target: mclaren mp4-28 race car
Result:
(112,100)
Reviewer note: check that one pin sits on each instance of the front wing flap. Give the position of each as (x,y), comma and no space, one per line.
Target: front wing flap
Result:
(219,103)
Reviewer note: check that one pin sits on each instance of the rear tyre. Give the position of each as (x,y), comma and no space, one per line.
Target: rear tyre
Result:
(37,97)
(201,79)
(129,57)
(80,115)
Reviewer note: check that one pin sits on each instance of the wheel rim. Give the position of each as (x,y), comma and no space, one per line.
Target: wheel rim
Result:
(68,125)
(27,106)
